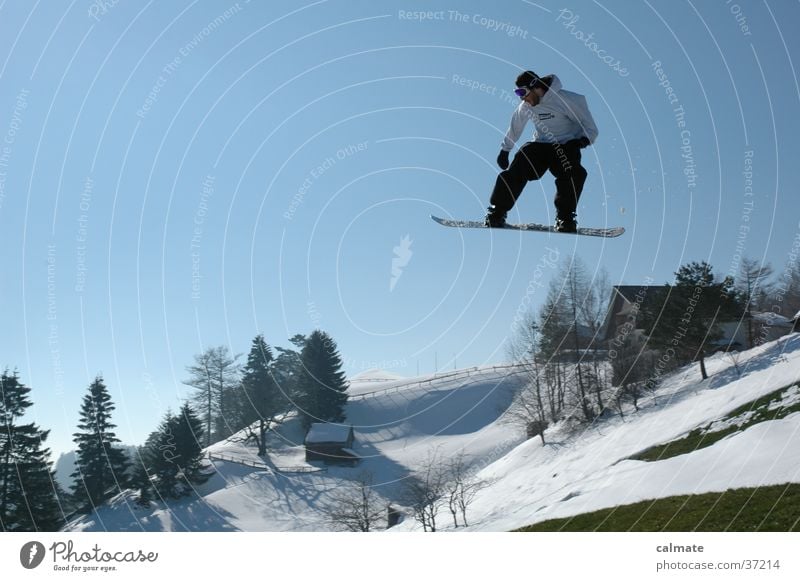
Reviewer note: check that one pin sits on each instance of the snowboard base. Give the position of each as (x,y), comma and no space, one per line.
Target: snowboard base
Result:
(532,226)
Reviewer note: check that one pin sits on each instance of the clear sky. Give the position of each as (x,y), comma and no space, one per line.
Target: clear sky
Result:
(180,175)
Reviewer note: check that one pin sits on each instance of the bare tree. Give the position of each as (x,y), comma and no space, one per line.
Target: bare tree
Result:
(356,507)
(527,411)
(551,346)
(528,405)
(752,287)
(461,488)
(424,491)
(592,312)
(575,289)
(214,374)
(631,364)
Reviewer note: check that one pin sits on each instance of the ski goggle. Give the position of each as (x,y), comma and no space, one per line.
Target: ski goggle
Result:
(522,92)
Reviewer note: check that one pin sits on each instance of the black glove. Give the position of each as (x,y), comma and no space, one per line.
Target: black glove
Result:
(502,159)
(582,142)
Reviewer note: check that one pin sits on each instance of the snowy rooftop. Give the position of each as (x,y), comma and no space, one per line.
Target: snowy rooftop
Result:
(327,433)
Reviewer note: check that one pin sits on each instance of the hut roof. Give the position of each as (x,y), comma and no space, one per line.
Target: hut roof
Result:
(321,432)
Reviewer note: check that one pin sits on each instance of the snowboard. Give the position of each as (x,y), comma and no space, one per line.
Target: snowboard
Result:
(598,232)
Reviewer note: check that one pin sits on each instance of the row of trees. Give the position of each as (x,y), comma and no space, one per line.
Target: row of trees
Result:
(578,372)
(169,464)
(232,397)
(30,497)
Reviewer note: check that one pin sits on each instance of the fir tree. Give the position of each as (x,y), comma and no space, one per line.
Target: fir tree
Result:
(263,394)
(322,386)
(140,478)
(188,432)
(173,454)
(287,366)
(158,472)
(101,468)
(28,491)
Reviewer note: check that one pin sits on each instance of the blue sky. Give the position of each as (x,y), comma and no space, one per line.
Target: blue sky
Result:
(180,175)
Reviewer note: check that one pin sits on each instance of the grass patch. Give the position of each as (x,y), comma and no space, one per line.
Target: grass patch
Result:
(763,409)
(768,508)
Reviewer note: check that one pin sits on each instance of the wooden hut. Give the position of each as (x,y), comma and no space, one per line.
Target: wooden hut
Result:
(331,443)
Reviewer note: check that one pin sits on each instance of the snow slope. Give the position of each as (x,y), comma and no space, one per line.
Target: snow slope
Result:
(400,422)
(591,471)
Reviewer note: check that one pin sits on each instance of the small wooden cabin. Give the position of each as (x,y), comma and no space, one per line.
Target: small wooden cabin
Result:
(331,443)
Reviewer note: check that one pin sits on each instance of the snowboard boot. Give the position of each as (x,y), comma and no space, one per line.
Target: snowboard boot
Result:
(566,223)
(495,218)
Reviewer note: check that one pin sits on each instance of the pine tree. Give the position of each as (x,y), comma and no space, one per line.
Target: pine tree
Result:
(28,490)
(158,458)
(140,477)
(262,391)
(188,431)
(322,386)
(101,468)
(287,366)
(173,454)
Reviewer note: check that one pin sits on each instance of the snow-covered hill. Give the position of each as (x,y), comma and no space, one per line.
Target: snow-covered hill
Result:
(400,422)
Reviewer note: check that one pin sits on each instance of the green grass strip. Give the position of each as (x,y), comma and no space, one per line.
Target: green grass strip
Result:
(767,508)
(702,438)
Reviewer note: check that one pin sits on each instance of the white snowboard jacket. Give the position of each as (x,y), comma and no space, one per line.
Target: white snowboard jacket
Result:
(559,117)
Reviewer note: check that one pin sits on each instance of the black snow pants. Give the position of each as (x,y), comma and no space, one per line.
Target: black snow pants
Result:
(563,160)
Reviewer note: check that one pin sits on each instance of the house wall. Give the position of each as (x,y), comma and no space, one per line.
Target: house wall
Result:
(329,453)
(737,333)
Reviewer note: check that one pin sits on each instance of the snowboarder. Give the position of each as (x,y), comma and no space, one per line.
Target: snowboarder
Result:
(563,126)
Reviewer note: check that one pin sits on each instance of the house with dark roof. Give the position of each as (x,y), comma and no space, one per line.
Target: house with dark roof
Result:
(626,302)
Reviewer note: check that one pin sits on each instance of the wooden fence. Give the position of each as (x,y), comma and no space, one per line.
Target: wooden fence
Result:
(510,370)
(263,466)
